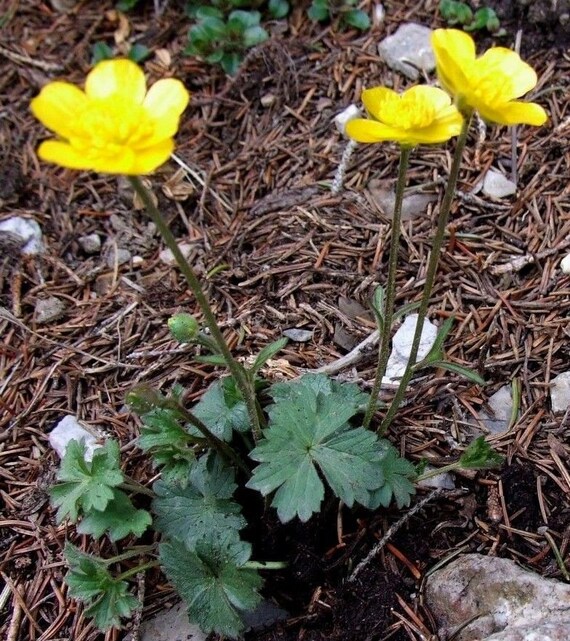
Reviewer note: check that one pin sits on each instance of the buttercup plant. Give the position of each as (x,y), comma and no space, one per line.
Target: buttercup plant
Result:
(306,440)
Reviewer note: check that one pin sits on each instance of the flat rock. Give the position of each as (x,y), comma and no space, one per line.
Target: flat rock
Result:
(90,244)
(495,185)
(69,429)
(402,346)
(298,335)
(48,310)
(409,50)
(118,255)
(560,392)
(501,406)
(503,602)
(25,233)
(167,257)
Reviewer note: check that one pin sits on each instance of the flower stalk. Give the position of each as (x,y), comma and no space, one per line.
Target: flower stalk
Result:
(236,370)
(385,330)
(431,273)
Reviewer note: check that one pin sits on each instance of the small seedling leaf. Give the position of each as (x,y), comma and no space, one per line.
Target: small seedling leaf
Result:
(467,373)
(222,410)
(358,19)
(479,455)
(268,352)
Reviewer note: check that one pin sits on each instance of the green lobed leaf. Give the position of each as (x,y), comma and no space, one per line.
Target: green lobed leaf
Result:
(119,519)
(309,432)
(86,485)
(278,8)
(319,11)
(107,599)
(139,53)
(397,472)
(254,36)
(242,20)
(222,410)
(479,455)
(101,51)
(203,508)
(213,582)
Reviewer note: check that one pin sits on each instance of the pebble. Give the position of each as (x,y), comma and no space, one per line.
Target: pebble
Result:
(90,244)
(69,429)
(409,50)
(495,185)
(120,255)
(167,257)
(298,335)
(402,346)
(345,116)
(27,231)
(565,264)
(48,309)
(484,598)
(560,392)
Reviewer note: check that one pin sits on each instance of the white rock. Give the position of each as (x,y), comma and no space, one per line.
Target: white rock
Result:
(378,14)
(118,255)
(495,185)
(498,600)
(565,264)
(167,257)
(48,309)
(298,335)
(69,429)
(341,119)
(409,50)
(443,481)
(27,231)
(402,346)
(170,625)
(501,404)
(413,204)
(91,244)
(560,392)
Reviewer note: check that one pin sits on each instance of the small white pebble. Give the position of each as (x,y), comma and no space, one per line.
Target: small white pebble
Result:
(341,119)
(565,264)
(68,429)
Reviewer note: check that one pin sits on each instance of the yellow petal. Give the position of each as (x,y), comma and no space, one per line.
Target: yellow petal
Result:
(454,53)
(363,130)
(375,98)
(147,160)
(58,107)
(437,98)
(515,112)
(514,75)
(120,79)
(440,131)
(164,103)
(63,154)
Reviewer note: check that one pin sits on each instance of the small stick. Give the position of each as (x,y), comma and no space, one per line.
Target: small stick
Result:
(338,181)
(352,357)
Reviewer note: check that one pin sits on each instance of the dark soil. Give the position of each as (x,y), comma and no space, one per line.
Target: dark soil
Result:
(281,251)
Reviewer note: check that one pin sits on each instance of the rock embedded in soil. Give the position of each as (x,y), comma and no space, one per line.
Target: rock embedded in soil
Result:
(90,244)
(409,50)
(495,185)
(560,392)
(48,310)
(26,234)
(498,600)
(119,256)
(69,429)
(501,406)
(167,257)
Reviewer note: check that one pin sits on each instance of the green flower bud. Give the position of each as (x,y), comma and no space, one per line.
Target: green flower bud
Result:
(184,327)
(143,398)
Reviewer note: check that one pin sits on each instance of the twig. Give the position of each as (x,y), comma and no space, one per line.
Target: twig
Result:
(520,262)
(137,616)
(352,357)
(26,60)
(340,174)
(390,533)
(196,176)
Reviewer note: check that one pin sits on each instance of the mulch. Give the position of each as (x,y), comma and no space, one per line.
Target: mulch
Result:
(277,250)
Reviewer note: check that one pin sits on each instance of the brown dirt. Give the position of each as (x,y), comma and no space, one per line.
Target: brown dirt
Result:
(285,250)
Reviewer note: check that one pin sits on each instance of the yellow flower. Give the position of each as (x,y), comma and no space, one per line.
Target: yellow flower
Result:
(115,126)
(421,115)
(488,84)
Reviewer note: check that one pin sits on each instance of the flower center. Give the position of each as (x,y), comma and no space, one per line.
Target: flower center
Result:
(407,111)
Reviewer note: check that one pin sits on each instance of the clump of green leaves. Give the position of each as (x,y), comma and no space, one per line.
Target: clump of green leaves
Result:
(345,11)
(459,13)
(225,40)
(102,51)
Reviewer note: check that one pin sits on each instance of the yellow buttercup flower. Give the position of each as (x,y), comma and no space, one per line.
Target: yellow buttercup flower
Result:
(115,126)
(421,115)
(488,84)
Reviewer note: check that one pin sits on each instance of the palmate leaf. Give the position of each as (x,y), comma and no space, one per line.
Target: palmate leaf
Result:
(222,409)
(398,474)
(309,431)
(107,599)
(86,485)
(119,519)
(213,582)
(203,508)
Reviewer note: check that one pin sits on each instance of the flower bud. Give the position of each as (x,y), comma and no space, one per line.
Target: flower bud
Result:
(184,327)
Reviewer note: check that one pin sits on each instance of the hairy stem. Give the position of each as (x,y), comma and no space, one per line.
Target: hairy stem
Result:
(430,275)
(384,347)
(235,368)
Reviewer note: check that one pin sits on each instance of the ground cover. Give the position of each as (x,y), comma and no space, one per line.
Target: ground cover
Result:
(278,250)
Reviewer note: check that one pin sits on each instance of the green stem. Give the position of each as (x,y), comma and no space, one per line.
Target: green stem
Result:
(139,568)
(138,550)
(384,347)
(268,565)
(430,275)
(223,448)
(235,368)
(440,470)
(130,485)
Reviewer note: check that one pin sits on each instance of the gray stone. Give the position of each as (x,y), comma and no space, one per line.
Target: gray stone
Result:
(501,405)
(118,255)
(48,309)
(170,625)
(409,50)
(560,392)
(25,232)
(498,600)
(167,257)
(443,481)
(90,244)
(495,185)
(298,335)
(69,429)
